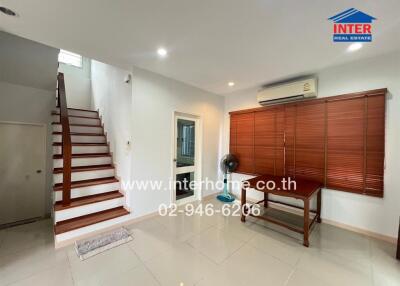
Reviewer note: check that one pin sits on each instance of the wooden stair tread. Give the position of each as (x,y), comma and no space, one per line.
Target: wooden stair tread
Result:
(87,183)
(84,125)
(82,144)
(86,200)
(70,108)
(86,220)
(85,168)
(79,134)
(77,116)
(84,155)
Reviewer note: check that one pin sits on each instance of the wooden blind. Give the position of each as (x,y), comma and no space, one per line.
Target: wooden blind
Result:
(338,141)
(244,141)
(375,144)
(268,141)
(345,144)
(309,161)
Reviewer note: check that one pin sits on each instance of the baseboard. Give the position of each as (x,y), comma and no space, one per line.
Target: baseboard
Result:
(209,197)
(369,233)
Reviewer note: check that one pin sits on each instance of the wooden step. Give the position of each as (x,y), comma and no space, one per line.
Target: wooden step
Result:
(86,220)
(84,168)
(69,108)
(77,116)
(84,155)
(87,183)
(88,200)
(78,134)
(82,144)
(83,125)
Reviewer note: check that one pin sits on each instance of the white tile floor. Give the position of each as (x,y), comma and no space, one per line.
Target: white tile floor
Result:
(201,250)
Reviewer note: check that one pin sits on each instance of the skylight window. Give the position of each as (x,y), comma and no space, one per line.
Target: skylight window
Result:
(70,58)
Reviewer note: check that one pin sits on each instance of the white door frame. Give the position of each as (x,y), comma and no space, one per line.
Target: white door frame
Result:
(198,157)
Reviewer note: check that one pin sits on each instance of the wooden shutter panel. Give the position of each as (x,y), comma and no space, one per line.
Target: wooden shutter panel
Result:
(264,142)
(268,141)
(310,141)
(375,144)
(232,134)
(280,141)
(345,144)
(290,139)
(245,142)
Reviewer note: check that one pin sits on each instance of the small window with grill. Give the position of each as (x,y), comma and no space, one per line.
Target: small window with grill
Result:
(70,58)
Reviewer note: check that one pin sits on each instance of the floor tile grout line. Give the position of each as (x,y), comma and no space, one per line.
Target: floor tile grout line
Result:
(147,268)
(289,276)
(372,274)
(226,258)
(32,275)
(70,268)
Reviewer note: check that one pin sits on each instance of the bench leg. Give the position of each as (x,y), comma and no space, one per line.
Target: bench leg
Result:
(243,205)
(306,222)
(319,202)
(265,200)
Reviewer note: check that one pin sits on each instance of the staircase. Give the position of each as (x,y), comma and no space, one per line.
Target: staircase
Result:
(92,199)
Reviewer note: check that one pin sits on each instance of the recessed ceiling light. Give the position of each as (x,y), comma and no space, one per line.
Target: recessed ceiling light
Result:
(354,47)
(162,52)
(7,11)
(231,83)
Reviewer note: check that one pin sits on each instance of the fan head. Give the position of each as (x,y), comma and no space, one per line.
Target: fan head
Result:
(229,163)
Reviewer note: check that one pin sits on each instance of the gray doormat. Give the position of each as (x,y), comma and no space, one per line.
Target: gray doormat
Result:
(98,244)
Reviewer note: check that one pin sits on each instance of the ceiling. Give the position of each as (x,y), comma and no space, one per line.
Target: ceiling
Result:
(210,42)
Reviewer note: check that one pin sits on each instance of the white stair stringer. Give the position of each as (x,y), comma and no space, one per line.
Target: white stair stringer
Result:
(77,112)
(80,129)
(57,138)
(89,190)
(86,161)
(85,175)
(90,149)
(79,120)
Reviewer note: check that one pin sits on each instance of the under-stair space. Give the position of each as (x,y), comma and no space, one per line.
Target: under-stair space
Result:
(95,200)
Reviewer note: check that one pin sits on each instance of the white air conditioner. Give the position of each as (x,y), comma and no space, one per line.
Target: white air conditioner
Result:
(296,90)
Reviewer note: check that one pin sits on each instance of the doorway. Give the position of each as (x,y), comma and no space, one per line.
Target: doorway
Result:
(22,172)
(186,160)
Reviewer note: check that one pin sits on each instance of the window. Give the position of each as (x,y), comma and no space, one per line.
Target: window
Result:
(187,140)
(338,141)
(70,58)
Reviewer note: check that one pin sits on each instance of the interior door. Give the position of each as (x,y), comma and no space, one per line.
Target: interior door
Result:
(22,172)
(185,161)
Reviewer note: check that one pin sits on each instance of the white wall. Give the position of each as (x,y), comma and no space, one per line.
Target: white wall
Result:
(143,114)
(113,98)
(373,214)
(155,99)
(27,63)
(30,105)
(77,84)
(28,80)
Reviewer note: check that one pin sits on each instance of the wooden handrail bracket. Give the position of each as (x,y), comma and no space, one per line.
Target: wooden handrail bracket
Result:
(66,140)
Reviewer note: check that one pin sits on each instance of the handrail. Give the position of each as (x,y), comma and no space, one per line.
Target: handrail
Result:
(66,148)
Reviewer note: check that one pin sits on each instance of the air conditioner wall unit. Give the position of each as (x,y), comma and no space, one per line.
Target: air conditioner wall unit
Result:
(291,91)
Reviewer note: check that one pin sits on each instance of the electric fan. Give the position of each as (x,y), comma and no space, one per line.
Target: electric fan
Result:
(228,164)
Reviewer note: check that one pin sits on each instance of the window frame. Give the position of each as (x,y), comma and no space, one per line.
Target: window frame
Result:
(70,54)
